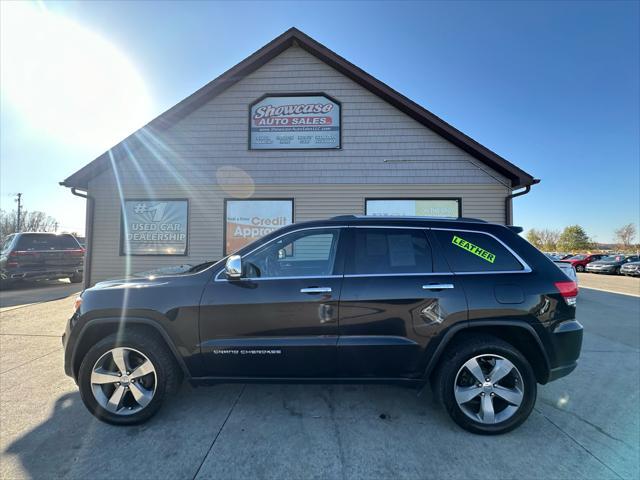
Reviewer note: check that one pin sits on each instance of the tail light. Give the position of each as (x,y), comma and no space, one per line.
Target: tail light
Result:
(76,253)
(13,257)
(568,290)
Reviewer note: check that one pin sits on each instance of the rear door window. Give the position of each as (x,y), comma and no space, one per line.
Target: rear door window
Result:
(476,252)
(382,251)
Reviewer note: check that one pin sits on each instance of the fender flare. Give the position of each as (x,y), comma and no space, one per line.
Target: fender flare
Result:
(450,333)
(130,321)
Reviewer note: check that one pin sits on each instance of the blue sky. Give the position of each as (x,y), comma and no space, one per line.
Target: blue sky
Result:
(551,86)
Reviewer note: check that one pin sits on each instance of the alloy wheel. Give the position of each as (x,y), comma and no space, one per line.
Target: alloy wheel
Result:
(123,381)
(489,389)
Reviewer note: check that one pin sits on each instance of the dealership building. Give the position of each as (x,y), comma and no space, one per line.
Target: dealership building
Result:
(294,132)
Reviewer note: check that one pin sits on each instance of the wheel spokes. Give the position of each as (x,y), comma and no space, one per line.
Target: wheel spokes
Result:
(142,370)
(501,369)
(511,395)
(474,368)
(121,359)
(466,394)
(102,377)
(141,395)
(487,413)
(116,399)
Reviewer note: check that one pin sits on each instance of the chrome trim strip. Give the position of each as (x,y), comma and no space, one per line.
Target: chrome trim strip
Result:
(526,267)
(314,277)
(316,290)
(438,286)
(364,275)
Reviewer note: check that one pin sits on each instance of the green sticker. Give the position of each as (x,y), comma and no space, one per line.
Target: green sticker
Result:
(476,250)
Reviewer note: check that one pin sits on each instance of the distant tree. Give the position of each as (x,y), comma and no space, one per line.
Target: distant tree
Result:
(30,222)
(574,238)
(626,234)
(549,239)
(533,236)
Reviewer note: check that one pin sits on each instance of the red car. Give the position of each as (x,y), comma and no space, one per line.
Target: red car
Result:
(580,261)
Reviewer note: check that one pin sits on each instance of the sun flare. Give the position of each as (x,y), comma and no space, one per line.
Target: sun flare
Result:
(67,81)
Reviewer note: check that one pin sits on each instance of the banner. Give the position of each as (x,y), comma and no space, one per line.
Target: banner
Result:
(294,122)
(155,227)
(414,208)
(249,220)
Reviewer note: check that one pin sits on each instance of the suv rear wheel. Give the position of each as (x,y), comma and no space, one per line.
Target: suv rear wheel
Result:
(124,381)
(486,385)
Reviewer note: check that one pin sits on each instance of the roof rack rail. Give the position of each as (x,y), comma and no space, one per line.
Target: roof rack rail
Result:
(407,217)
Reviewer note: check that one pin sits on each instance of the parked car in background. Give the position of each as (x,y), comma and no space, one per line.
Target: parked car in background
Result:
(41,256)
(611,264)
(580,261)
(631,269)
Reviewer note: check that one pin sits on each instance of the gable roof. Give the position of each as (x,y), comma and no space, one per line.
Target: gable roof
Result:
(293,36)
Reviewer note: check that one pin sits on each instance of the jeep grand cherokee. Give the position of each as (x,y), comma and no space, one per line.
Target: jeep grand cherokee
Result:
(468,306)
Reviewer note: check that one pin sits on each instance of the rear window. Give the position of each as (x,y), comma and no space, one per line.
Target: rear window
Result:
(35,242)
(390,251)
(476,252)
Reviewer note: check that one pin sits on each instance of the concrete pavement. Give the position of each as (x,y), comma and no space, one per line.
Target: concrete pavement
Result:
(25,293)
(586,425)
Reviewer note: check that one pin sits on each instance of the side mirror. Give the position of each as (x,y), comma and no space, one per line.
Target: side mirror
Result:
(233,267)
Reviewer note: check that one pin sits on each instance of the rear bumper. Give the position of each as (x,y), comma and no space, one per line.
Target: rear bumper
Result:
(25,274)
(566,343)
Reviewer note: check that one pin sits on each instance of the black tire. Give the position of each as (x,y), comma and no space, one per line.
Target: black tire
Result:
(580,268)
(168,375)
(76,278)
(457,355)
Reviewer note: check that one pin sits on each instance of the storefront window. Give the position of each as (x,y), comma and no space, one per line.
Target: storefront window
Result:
(249,220)
(154,227)
(414,207)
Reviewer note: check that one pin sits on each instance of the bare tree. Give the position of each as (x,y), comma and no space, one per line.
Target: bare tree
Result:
(626,234)
(534,238)
(30,222)
(549,239)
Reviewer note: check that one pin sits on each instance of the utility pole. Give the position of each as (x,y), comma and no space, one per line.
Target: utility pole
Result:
(19,200)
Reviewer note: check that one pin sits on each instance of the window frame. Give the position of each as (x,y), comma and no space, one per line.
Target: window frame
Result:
(525,266)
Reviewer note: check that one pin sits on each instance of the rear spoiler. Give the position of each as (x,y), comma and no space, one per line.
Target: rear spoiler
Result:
(515,229)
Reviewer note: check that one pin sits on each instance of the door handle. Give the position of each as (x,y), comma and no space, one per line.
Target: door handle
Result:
(438,286)
(316,290)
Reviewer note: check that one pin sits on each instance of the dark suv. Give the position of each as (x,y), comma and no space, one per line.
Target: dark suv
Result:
(469,306)
(41,256)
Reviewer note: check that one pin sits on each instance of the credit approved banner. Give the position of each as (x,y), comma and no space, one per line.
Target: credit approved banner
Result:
(249,220)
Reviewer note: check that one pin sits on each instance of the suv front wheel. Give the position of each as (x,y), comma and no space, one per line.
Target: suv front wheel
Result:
(123,381)
(486,385)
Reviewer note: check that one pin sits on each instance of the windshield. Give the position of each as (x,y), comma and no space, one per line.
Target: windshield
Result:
(578,257)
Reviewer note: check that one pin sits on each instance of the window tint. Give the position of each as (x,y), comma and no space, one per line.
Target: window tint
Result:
(309,253)
(475,252)
(389,251)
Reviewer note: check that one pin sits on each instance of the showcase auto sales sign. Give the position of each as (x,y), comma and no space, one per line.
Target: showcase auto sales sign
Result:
(301,122)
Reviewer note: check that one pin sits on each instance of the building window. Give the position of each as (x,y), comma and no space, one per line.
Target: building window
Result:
(414,207)
(249,220)
(154,227)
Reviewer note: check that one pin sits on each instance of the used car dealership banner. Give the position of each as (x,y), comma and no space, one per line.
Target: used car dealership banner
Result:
(295,122)
(155,227)
(249,220)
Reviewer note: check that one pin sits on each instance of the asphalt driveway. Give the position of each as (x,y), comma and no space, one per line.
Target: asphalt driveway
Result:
(586,425)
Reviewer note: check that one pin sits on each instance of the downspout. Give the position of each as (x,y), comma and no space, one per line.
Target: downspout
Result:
(508,210)
(86,277)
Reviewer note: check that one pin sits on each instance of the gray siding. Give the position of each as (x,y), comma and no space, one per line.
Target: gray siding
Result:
(205,158)
(312,202)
